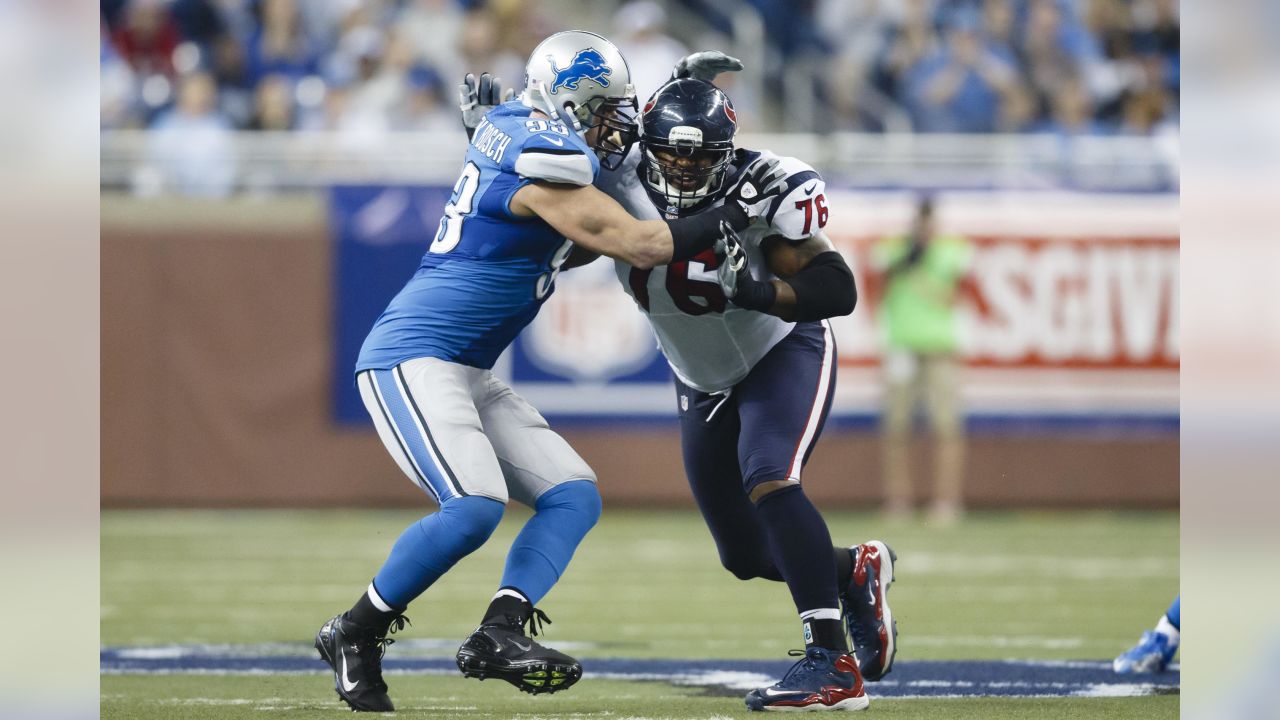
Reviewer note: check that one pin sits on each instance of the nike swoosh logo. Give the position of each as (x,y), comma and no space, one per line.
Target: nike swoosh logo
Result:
(523,648)
(555,141)
(346,684)
(809,190)
(770,692)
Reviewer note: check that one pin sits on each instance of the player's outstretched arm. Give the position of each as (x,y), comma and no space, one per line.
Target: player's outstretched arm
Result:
(595,221)
(598,223)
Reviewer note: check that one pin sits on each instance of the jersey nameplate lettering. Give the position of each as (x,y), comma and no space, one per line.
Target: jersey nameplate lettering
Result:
(490,141)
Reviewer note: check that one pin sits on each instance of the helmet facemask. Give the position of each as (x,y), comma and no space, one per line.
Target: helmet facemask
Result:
(686,173)
(614,121)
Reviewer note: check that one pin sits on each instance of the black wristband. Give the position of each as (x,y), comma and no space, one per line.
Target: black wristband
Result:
(824,288)
(759,295)
(691,235)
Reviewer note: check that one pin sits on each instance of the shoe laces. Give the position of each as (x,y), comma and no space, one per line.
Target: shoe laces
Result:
(535,620)
(802,667)
(374,645)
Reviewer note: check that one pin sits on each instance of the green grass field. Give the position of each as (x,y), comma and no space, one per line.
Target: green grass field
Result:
(1046,586)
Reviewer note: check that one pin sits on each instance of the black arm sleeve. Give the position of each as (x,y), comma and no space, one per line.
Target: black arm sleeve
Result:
(691,235)
(824,288)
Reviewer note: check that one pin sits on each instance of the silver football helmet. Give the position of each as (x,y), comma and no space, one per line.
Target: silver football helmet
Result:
(582,80)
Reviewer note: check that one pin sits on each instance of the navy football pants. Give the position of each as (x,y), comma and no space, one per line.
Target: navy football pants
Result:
(763,429)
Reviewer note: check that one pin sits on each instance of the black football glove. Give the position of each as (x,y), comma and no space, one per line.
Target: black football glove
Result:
(477,97)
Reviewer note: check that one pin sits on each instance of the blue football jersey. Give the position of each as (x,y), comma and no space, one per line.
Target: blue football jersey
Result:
(487,271)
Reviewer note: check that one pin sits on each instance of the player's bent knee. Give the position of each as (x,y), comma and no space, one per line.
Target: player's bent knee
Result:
(472,519)
(761,490)
(579,498)
(744,566)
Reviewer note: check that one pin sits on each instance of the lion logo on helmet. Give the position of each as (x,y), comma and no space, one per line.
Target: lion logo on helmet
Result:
(588,64)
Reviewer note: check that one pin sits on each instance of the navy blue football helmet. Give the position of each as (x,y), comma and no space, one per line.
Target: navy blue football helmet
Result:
(686,143)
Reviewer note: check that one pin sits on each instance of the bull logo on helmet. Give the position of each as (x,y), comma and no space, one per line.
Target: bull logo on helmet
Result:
(588,64)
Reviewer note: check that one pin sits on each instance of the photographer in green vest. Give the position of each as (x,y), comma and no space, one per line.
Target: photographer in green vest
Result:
(921,274)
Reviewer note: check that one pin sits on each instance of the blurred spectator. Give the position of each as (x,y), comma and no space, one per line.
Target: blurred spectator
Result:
(960,88)
(198,21)
(1071,111)
(859,30)
(481,49)
(365,93)
(1157,29)
(1053,49)
(273,107)
(1145,112)
(230,70)
(432,28)
(913,39)
(521,26)
(1111,21)
(425,106)
(146,37)
(190,147)
(999,24)
(324,21)
(790,27)
(867,65)
(119,87)
(651,53)
(920,274)
(280,46)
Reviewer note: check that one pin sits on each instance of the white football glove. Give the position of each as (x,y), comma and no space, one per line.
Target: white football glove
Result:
(734,274)
(733,263)
(705,65)
(477,97)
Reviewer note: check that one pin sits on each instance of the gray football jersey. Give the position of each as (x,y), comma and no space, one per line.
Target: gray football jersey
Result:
(710,343)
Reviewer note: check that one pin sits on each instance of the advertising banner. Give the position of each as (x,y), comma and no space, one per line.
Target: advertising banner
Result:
(1068,313)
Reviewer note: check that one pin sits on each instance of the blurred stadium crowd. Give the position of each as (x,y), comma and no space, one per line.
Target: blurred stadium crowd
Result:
(366,67)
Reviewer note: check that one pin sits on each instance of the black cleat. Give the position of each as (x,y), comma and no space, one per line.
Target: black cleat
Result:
(355,654)
(502,650)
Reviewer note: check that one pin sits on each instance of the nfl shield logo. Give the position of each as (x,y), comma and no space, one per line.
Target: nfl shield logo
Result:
(588,331)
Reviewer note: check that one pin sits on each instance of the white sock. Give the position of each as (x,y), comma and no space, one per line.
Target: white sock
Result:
(377,600)
(1166,628)
(509,592)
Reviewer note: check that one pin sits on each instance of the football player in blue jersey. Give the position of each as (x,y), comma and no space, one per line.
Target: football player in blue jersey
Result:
(745,332)
(525,198)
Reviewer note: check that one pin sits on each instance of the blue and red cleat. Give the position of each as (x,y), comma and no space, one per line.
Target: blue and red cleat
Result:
(821,680)
(865,606)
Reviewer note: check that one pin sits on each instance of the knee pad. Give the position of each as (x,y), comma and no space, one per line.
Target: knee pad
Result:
(579,497)
(472,519)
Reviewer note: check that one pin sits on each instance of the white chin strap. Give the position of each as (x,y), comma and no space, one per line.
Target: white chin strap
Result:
(538,98)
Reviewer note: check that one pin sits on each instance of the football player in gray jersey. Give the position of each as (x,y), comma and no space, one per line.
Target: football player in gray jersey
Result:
(744,329)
